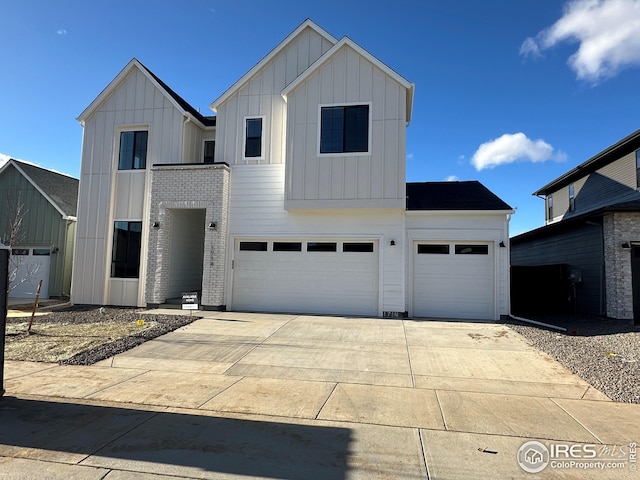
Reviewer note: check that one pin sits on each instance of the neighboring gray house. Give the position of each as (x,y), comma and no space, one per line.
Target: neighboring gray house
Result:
(593,229)
(45,245)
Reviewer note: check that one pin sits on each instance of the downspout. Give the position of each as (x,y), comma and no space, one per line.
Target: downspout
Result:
(186,120)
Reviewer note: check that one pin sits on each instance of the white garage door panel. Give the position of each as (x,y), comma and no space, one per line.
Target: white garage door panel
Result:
(306,282)
(30,269)
(453,285)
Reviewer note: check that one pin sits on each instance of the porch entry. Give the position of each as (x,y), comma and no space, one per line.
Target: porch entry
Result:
(635,282)
(186,251)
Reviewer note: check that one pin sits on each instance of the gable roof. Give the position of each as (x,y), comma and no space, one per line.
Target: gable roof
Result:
(609,155)
(308,23)
(470,195)
(60,190)
(346,41)
(179,102)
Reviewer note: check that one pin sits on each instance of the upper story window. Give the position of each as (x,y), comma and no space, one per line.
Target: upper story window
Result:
(125,258)
(209,150)
(133,150)
(638,168)
(253,137)
(549,207)
(572,198)
(344,129)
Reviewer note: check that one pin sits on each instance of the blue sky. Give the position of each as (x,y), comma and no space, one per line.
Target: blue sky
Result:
(510,93)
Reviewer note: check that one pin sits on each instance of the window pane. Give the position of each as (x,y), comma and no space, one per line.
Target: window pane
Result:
(433,249)
(356,131)
(127,241)
(332,130)
(472,249)
(287,246)
(126,151)
(140,155)
(254,246)
(321,247)
(42,251)
(357,247)
(253,138)
(20,251)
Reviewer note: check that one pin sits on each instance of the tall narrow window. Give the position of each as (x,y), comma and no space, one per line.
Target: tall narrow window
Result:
(133,151)
(253,138)
(638,168)
(127,240)
(209,151)
(549,207)
(344,129)
(572,198)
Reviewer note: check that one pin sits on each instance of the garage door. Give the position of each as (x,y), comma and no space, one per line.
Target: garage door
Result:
(306,276)
(453,280)
(30,266)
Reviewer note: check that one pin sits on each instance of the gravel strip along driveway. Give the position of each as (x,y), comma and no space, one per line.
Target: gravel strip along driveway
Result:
(71,320)
(602,351)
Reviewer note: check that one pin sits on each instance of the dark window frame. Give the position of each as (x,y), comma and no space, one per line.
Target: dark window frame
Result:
(357,247)
(638,168)
(208,156)
(41,252)
(549,207)
(287,246)
(345,129)
(126,249)
(434,249)
(314,247)
(132,154)
(253,246)
(252,140)
(572,197)
(20,251)
(471,249)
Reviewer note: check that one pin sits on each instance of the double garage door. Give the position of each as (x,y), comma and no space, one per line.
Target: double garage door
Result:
(453,280)
(306,276)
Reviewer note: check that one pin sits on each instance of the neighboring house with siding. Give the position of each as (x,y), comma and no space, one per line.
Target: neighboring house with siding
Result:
(592,226)
(44,248)
(292,198)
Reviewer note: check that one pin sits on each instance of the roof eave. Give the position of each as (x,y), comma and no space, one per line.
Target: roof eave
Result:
(37,187)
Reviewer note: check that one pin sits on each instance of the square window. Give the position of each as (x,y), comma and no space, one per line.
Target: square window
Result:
(253,138)
(344,129)
(133,150)
(127,241)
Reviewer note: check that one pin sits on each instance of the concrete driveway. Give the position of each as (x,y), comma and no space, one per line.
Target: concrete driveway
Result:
(237,395)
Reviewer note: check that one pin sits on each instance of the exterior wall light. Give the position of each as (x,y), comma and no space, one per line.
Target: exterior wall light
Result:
(625,245)
(392,243)
(155,225)
(502,245)
(212,225)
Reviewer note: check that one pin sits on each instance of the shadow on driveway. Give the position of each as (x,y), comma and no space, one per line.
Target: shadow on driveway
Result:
(170,443)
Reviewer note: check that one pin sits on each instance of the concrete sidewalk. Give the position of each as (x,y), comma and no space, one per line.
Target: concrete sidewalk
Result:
(239,395)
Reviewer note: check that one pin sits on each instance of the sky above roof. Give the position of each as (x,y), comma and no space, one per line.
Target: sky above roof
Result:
(510,93)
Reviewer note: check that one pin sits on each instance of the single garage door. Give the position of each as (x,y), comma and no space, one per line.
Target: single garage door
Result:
(306,276)
(30,266)
(453,280)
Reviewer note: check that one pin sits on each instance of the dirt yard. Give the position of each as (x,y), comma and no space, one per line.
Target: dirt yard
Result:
(83,335)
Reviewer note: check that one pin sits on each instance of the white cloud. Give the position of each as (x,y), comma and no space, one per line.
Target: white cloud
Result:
(607,31)
(451,178)
(61,31)
(511,148)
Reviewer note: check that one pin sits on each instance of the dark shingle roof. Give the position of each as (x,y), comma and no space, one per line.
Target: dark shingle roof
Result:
(207,121)
(63,190)
(470,195)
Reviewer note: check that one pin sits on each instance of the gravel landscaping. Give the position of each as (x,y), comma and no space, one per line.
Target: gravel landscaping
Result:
(85,335)
(602,351)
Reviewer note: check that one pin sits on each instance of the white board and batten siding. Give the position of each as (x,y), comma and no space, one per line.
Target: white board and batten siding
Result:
(456,284)
(107,195)
(375,179)
(257,213)
(261,96)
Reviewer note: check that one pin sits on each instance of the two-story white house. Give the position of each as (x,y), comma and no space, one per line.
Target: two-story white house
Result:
(291,199)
